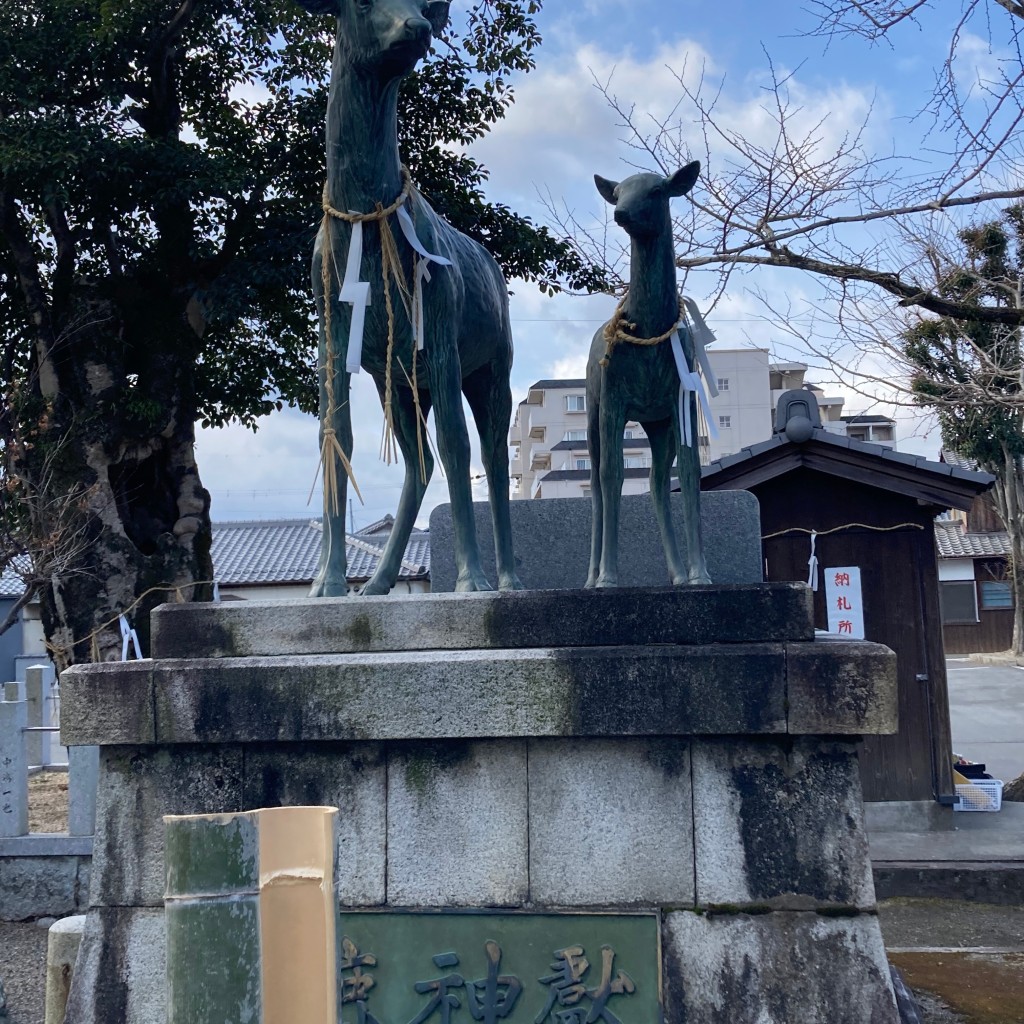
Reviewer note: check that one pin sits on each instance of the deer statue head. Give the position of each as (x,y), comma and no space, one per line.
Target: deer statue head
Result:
(641,200)
(388,36)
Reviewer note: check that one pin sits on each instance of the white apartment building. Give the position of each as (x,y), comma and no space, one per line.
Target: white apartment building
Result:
(550,456)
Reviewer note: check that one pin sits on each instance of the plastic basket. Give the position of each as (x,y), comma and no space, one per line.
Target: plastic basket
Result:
(979,795)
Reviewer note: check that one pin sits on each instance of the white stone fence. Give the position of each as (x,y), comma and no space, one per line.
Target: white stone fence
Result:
(29,725)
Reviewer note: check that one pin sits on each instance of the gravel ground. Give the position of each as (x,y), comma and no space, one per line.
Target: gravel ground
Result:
(23,970)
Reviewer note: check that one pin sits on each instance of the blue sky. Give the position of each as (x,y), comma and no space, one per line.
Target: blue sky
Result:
(558,134)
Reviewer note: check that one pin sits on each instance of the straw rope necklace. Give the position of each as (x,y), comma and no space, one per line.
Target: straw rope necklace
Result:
(615,330)
(392,273)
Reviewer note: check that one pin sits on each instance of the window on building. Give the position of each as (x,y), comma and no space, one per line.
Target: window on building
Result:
(995,594)
(959,601)
(583,463)
(724,422)
(636,462)
(575,435)
(723,383)
(628,435)
(576,403)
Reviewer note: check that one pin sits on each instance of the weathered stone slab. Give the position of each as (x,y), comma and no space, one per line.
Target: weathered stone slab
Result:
(625,805)
(719,689)
(120,974)
(349,776)
(137,787)
(776,968)
(457,824)
(842,687)
(730,522)
(83,773)
(13,768)
(36,886)
(109,701)
(764,612)
(779,825)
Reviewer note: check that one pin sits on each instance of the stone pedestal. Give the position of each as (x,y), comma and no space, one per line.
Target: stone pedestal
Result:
(688,754)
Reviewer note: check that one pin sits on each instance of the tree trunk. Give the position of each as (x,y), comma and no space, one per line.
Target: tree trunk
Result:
(1009,499)
(120,520)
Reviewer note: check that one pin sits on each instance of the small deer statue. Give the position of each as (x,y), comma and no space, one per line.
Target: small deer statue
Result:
(427,338)
(637,367)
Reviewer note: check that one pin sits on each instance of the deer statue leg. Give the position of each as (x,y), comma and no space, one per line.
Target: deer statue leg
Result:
(453,446)
(688,466)
(330,579)
(663,452)
(403,410)
(611,423)
(596,501)
(490,399)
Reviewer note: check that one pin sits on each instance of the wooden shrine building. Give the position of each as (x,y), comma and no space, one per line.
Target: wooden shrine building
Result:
(873,508)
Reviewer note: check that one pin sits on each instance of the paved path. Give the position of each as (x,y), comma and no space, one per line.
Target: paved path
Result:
(986,711)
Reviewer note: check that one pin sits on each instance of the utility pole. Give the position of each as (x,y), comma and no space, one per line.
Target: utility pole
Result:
(351,518)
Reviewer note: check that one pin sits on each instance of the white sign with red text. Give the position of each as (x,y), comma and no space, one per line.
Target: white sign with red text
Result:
(844,601)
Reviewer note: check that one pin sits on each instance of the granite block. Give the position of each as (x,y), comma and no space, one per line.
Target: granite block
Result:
(732,613)
(137,787)
(42,886)
(717,689)
(842,688)
(457,824)
(730,523)
(349,776)
(779,824)
(112,700)
(624,807)
(776,968)
(120,973)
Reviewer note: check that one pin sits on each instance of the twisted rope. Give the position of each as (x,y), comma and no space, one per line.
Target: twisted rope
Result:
(615,332)
(331,451)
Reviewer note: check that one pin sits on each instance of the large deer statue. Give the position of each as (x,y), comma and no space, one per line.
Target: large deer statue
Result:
(643,367)
(435,330)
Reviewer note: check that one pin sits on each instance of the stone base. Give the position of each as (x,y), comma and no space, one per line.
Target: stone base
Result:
(714,785)
(43,875)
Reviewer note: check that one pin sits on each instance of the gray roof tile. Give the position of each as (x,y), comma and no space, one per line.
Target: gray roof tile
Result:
(288,550)
(11,584)
(952,542)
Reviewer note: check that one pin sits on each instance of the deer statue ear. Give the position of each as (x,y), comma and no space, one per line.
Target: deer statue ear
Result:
(683,180)
(437,15)
(321,6)
(606,188)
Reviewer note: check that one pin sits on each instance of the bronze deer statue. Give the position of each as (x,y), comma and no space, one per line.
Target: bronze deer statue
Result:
(636,373)
(430,336)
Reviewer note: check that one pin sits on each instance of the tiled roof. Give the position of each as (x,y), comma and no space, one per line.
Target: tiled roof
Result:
(285,551)
(553,385)
(861,418)
(288,550)
(820,435)
(952,542)
(630,473)
(11,584)
(953,459)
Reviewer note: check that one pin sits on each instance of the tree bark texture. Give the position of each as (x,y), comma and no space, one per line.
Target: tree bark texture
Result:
(110,417)
(1009,498)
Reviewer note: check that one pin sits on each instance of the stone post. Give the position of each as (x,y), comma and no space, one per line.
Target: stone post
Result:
(83,770)
(63,940)
(13,768)
(37,744)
